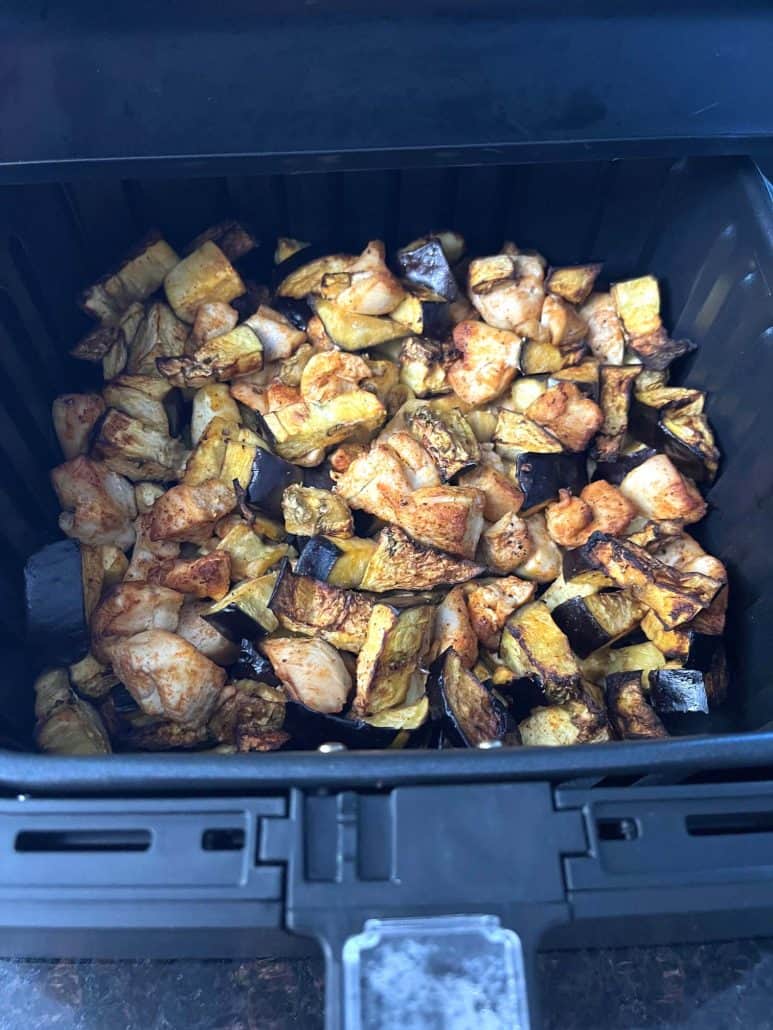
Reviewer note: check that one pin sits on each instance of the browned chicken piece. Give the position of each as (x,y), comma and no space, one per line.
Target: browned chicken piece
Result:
(98,504)
(138,451)
(317,335)
(207,576)
(454,629)
(75,415)
(606,338)
(367,286)
(507,289)
(331,373)
(132,608)
(190,512)
(147,554)
(382,480)
(488,361)
(567,330)
(505,545)
(272,396)
(167,676)
(659,491)
(568,414)
(146,495)
(600,506)
(204,636)
(278,337)
(343,456)
(447,517)
(312,672)
(212,320)
(502,495)
(491,604)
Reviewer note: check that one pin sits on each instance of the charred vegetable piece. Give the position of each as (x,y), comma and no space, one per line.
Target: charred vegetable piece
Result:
(205,275)
(447,438)
(533,646)
(269,478)
(340,562)
(596,620)
(678,690)
(351,331)
(244,612)
(469,712)
(250,556)
(57,620)
(306,605)
(638,304)
(672,421)
(311,512)
(541,476)
(311,671)
(630,714)
(424,263)
(302,273)
(584,376)
(297,312)
(66,725)
(614,470)
(616,385)
(252,665)
(389,665)
(422,366)
(573,283)
(249,716)
(424,312)
(140,273)
(301,428)
(396,728)
(515,433)
(400,563)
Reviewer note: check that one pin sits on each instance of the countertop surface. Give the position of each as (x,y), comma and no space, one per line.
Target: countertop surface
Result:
(705,987)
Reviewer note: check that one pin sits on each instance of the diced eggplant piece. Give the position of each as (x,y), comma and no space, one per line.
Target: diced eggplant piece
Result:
(573,283)
(596,620)
(541,476)
(204,276)
(539,357)
(522,695)
(233,238)
(167,676)
(269,478)
(309,606)
(98,504)
(574,722)
(606,338)
(137,451)
(66,725)
(447,438)
(515,433)
(424,312)
(674,596)
(244,612)
(189,513)
(424,263)
(562,590)
(250,555)
(97,344)
(395,728)
(544,561)
(453,629)
(584,376)
(616,469)
(568,415)
(400,563)
(141,397)
(91,678)
(301,428)
(659,491)
(318,558)
(311,512)
(296,311)
(302,273)
(579,566)
(533,646)
(671,422)
(287,247)
(631,715)
(507,289)
(140,273)
(74,416)
(489,359)
(57,620)
(640,658)
(616,385)
(252,665)
(351,331)
(340,562)
(469,712)
(212,401)
(311,671)
(389,665)
(159,334)
(223,357)
(526,389)
(638,304)
(165,736)
(678,690)
(422,366)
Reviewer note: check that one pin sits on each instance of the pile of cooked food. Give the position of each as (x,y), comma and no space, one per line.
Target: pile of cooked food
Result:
(432,501)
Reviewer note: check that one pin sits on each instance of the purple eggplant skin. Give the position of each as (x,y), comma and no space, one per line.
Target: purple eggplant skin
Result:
(252,665)
(428,266)
(177,412)
(522,697)
(615,471)
(301,257)
(645,424)
(309,729)
(235,624)
(579,627)
(319,477)
(57,627)
(449,684)
(678,690)
(317,558)
(541,476)
(636,636)
(297,312)
(269,478)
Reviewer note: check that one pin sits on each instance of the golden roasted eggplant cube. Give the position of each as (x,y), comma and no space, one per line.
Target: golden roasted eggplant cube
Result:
(205,275)
(140,274)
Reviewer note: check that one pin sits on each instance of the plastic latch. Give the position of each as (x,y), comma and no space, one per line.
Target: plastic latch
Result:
(453,971)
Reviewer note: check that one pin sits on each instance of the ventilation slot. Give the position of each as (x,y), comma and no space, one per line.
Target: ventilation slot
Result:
(83,840)
(617,829)
(729,824)
(222,840)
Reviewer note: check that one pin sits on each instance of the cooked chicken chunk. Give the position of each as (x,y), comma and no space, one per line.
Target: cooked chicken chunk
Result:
(507,289)
(491,604)
(568,414)
(332,373)
(600,506)
(148,554)
(659,491)
(212,401)
(506,545)
(308,511)
(502,495)
(99,504)
(159,334)
(167,676)
(454,629)
(138,451)
(204,636)
(132,608)
(367,286)
(211,320)
(190,512)
(279,338)
(488,361)
(312,672)
(606,338)
(208,576)
(567,330)
(75,415)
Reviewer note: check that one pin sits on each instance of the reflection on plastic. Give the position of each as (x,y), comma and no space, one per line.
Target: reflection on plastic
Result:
(444,973)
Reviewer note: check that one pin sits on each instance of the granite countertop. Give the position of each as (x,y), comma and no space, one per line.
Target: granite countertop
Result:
(704,987)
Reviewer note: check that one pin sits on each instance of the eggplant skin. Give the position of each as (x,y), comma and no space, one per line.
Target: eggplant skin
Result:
(630,714)
(541,476)
(468,711)
(309,729)
(57,628)
(269,478)
(427,265)
(678,690)
(615,471)
(252,665)
(576,621)
(317,558)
